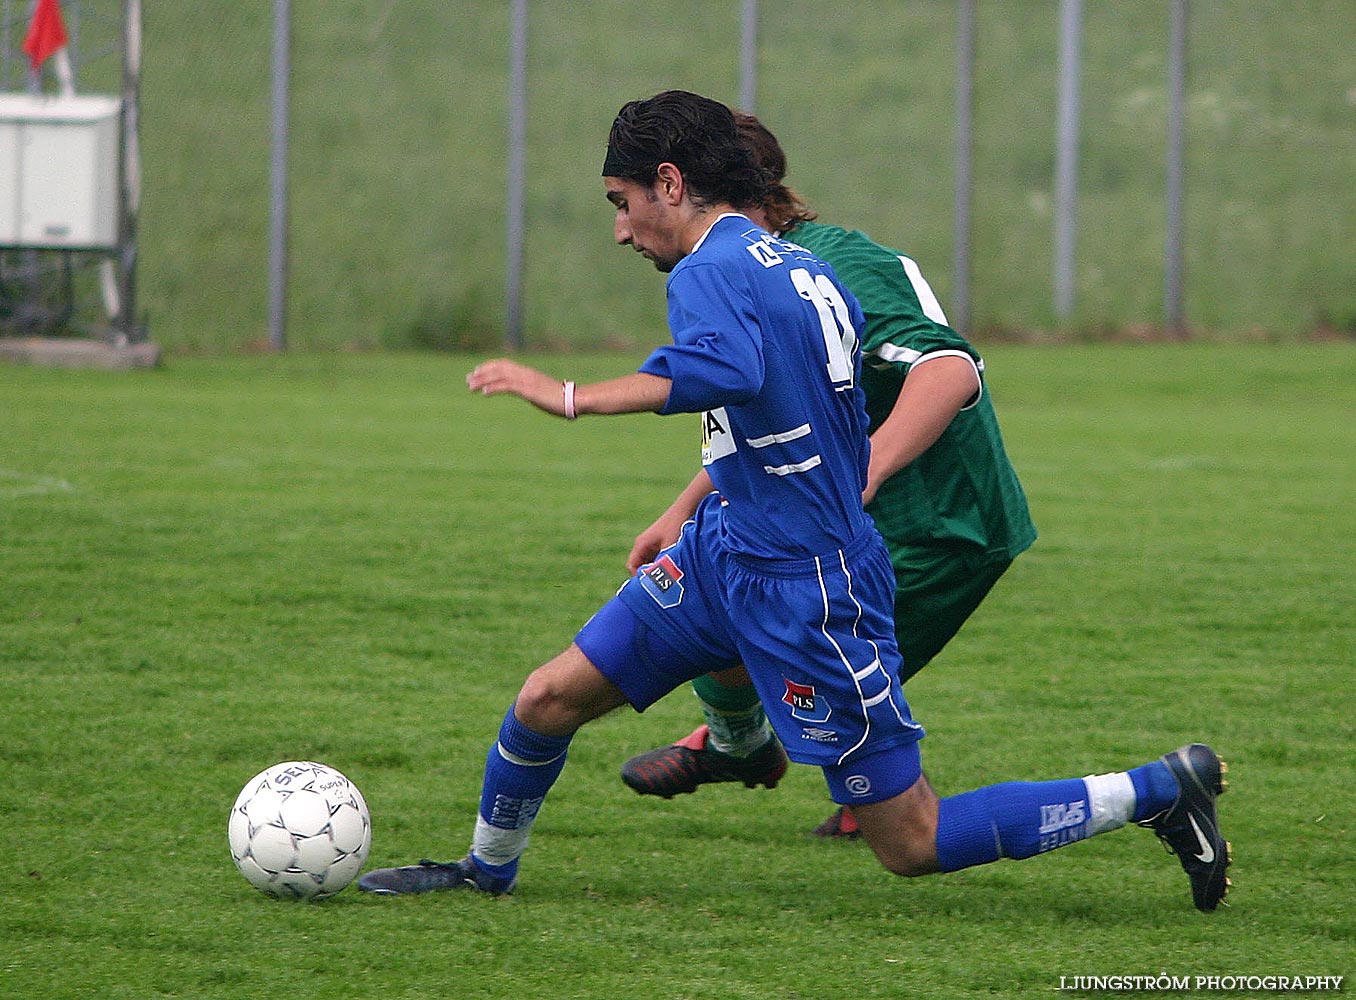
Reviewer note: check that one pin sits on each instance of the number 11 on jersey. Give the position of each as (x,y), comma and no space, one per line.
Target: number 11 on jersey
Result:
(840,339)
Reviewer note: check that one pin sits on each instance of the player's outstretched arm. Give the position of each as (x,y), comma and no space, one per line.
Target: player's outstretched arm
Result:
(638,393)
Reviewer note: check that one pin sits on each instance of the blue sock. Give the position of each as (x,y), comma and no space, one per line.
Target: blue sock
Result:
(1016,819)
(502,876)
(1155,789)
(520,769)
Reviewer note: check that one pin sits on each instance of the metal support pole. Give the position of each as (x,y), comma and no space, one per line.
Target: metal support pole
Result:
(748,56)
(517,174)
(6,17)
(1066,154)
(34,85)
(965,80)
(129,178)
(277,228)
(73,43)
(1174,315)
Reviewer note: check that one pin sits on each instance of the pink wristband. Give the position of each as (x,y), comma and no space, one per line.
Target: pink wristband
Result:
(568,389)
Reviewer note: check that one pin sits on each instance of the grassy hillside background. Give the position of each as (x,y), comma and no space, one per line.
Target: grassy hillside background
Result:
(399,145)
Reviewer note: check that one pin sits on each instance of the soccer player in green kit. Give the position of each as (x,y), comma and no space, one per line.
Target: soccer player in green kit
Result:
(940,489)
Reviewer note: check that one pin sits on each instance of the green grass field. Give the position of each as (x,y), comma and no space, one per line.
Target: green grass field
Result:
(224,563)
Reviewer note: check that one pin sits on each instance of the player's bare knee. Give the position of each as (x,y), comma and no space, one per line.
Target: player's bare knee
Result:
(563,694)
(912,865)
(907,857)
(544,705)
(903,831)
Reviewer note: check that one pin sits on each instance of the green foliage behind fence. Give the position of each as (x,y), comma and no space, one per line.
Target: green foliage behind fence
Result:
(399,145)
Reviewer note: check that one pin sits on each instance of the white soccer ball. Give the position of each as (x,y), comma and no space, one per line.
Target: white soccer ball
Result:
(300,830)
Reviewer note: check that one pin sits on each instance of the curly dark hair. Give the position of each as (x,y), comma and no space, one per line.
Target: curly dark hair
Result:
(695,134)
(783,207)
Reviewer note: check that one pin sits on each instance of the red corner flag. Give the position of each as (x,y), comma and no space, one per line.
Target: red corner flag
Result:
(46,34)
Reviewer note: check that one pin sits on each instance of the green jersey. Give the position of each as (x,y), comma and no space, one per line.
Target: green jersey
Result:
(961,494)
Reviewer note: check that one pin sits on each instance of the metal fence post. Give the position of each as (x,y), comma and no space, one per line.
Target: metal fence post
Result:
(1066,154)
(277,229)
(748,56)
(123,277)
(1174,315)
(965,81)
(517,173)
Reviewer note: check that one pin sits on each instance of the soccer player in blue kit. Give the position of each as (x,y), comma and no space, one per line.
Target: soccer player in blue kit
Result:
(780,568)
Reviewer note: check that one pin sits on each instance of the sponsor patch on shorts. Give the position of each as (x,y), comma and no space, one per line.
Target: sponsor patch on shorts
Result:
(805,704)
(663,580)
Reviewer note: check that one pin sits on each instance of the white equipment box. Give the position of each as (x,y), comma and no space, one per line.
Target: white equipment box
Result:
(59,171)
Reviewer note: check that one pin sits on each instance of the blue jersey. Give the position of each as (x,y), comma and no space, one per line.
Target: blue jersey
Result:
(781,569)
(765,347)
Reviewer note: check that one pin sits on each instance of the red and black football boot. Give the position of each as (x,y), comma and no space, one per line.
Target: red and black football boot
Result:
(680,768)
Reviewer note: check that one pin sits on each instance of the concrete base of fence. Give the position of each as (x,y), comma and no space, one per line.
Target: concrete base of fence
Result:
(53,352)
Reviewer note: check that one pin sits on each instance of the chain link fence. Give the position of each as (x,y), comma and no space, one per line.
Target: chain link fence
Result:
(398,162)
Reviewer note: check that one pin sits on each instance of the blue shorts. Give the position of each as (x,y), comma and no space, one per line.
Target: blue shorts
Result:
(816,636)
(876,777)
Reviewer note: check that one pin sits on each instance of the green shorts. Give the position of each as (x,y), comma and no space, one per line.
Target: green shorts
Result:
(936,590)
